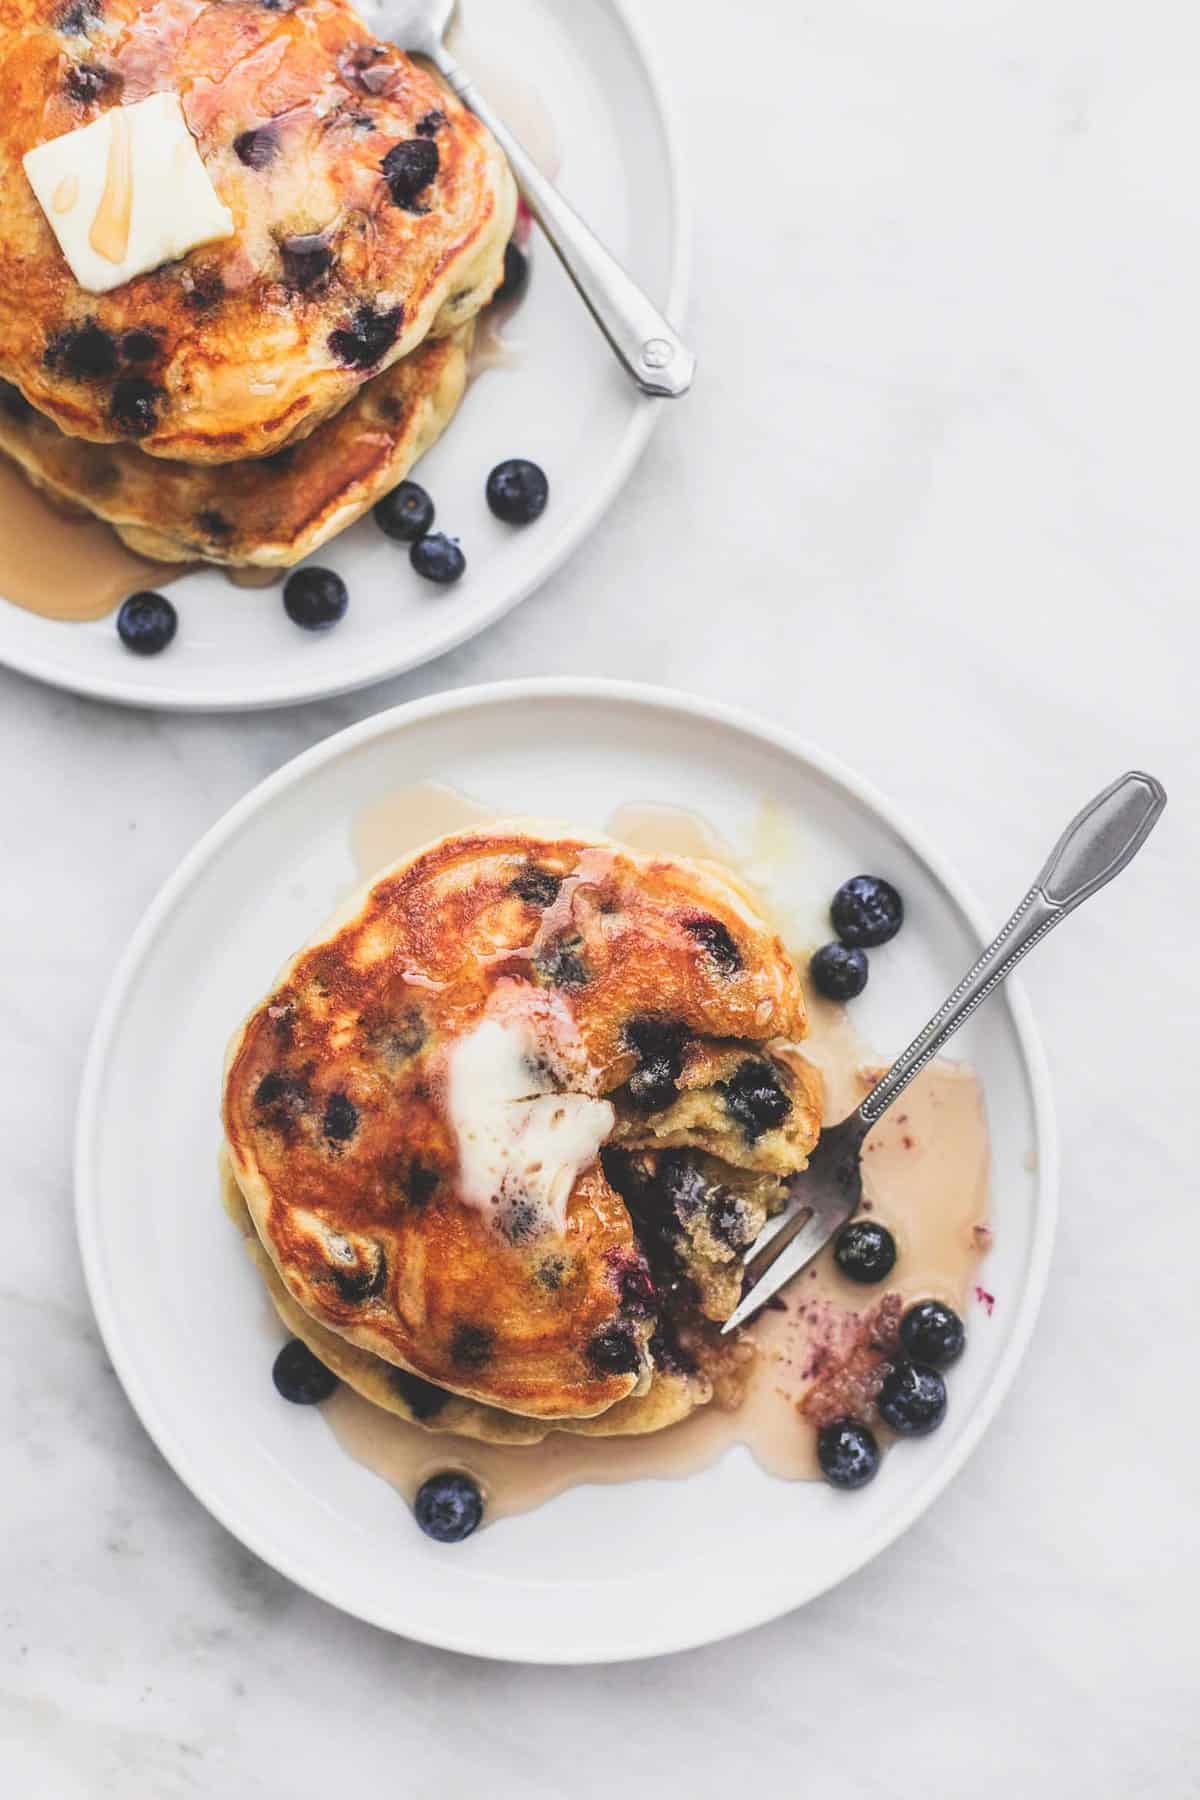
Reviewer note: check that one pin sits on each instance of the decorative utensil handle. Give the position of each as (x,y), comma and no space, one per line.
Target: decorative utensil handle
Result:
(1096,845)
(650,348)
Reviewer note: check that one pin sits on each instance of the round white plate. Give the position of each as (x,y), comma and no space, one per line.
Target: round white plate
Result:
(565,403)
(599,1573)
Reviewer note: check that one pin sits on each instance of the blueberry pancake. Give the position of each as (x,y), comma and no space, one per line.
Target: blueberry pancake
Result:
(676,1388)
(271,511)
(508,1123)
(367,209)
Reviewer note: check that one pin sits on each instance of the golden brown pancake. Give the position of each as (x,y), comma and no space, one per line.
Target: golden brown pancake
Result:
(370,208)
(366,1096)
(271,511)
(673,1392)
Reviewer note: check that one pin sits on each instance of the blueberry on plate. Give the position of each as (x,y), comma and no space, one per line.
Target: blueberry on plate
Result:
(847,1453)
(865,1250)
(405,514)
(838,972)
(315,599)
(933,1333)
(438,558)
(516,274)
(866,910)
(146,623)
(448,1507)
(517,491)
(912,1399)
(300,1377)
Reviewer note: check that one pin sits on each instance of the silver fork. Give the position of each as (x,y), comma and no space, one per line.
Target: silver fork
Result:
(649,347)
(1097,844)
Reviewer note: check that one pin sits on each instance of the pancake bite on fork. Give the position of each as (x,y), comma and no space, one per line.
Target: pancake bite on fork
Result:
(506,1126)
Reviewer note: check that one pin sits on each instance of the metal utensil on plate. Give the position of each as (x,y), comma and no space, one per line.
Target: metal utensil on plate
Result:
(1095,846)
(649,347)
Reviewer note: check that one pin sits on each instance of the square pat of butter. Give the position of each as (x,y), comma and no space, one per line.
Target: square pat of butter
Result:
(126,193)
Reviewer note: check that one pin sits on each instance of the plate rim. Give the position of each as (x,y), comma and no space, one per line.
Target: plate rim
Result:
(663,1640)
(644,416)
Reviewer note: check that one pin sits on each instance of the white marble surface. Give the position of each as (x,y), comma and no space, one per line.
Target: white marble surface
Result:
(933,504)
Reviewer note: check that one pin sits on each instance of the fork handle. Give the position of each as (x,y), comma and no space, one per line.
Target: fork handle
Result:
(1097,844)
(650,348)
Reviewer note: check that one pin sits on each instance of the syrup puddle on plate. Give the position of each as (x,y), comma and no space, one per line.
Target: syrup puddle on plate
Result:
(63,567)
(925,1176)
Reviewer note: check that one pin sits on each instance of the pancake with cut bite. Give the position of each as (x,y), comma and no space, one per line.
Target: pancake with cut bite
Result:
(414,1115)
(371,209)
(272,511)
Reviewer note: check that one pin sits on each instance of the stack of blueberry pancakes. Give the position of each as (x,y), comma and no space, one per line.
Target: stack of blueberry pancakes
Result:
(242,249)
(499,1135)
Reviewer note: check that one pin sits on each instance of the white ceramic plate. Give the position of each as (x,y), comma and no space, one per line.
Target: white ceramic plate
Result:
(237,648)
(599,1573)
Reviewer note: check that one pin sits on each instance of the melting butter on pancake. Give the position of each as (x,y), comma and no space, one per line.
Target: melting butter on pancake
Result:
(370,209)
(415,1116)
(269,512)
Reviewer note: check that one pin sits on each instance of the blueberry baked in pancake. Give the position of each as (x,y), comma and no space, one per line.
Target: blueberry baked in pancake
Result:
(272,511)
(498,1137)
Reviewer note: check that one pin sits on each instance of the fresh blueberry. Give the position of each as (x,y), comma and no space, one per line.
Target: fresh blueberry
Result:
(912,1399)
(866,910)
(315,599)
(517,491)
(755,1097)
(146,623)
(449,1507)
(847,1453)
(438,558)
(837,972)
(865,1251)
(933,1333)
(299,1377)
(516,274)
(405,514)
